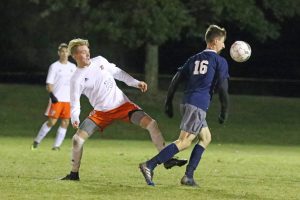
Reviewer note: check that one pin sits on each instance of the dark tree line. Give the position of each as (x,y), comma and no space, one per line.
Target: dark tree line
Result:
(31,30)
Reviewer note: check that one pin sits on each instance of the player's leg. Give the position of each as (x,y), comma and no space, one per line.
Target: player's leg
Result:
(61,133)
(196,155)
(140,118)
(193,121)
(184,141)
(44,130)
(86,129)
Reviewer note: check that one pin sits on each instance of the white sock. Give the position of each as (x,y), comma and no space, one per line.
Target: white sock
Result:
(42,133)
(60,136)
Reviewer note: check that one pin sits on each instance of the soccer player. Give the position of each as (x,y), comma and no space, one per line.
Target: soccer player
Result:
(95,78)
(58,86)
(202,73)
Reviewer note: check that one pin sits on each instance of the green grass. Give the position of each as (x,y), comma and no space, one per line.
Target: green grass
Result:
(252,119)
(255,155)
(110,171)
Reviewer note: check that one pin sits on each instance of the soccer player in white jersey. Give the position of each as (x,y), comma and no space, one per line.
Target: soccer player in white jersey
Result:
(58,86)
(95,78)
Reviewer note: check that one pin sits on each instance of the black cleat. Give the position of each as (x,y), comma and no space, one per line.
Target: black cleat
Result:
(174,162)
(34,145)
(147,173)
(56,148)
(73,176)
(188,181)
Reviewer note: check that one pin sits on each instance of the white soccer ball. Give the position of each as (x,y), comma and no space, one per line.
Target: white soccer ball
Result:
(240,51)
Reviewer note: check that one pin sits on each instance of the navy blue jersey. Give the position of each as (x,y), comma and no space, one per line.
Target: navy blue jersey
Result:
(203,72)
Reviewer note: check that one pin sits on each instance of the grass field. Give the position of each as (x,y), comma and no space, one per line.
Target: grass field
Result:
(255,155)
(110,171)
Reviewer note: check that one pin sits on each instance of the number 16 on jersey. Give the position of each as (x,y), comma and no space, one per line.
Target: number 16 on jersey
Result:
(200,67)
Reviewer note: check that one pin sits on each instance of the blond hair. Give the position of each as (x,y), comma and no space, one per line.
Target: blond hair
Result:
(213,32)
(73,44)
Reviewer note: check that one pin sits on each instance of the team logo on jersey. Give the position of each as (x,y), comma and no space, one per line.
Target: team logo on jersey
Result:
(52,112)
(101,67)
(108,84)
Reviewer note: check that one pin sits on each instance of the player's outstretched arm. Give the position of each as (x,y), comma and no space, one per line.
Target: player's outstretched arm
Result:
(123,76)
(224,100)
(171,91)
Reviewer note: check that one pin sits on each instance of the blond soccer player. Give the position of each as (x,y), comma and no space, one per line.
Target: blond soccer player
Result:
(58,86)
(95,78)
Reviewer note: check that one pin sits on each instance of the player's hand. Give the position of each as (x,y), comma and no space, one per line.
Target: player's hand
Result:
(143,86)
(53,98)
(75,124)
(222,117)
(169,109)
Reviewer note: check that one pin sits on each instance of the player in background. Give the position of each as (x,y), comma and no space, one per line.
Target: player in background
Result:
(95,78)
(58,86)
(202,73)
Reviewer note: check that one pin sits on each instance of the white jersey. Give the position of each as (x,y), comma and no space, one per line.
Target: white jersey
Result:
(59,75)
(97,82)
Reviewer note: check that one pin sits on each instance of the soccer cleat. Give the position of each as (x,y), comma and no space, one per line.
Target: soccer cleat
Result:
(188,181)
(147,173)
(73,176)
(174,162)
(55,148)
(34,145)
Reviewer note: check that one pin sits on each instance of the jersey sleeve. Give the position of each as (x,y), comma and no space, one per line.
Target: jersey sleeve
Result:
(75,93)
(119,74)
(51,75)
(185,68)
(222,70)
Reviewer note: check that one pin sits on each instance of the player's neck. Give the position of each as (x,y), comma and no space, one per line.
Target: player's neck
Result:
(211,47)
(63,61)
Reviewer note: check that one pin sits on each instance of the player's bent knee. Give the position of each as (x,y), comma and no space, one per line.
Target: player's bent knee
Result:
(51,123)
(77,142)
(183,144)
(205,137)
(65,123)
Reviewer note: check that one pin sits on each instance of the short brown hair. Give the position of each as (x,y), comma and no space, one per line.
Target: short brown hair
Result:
(62,45)
(75,43)
(213,32)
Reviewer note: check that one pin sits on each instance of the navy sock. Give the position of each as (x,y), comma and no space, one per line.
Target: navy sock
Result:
(194,160)
(163,156)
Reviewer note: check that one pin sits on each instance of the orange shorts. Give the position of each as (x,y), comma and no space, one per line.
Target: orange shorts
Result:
(103,119)
(58,110)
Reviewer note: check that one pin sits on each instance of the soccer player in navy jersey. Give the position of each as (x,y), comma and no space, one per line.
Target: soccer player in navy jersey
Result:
(203,73)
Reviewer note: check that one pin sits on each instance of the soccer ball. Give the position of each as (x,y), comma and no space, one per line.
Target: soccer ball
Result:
(240,51)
